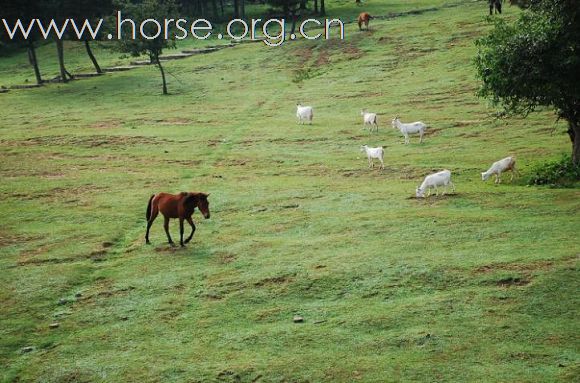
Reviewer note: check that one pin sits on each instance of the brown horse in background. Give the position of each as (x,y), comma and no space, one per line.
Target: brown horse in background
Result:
(364,18)
(179,206)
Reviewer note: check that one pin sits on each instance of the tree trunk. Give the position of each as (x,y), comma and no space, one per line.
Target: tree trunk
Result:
(315,6)
(322,8)
(202,8)
(60,54)
(236,9)
(222,7)
(294,17)
(34,61)
(92,57)
(574,133)
(158,62)
(243,9)
(214,9)
(302,5)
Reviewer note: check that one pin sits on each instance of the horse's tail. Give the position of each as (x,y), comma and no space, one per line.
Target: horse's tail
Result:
(148,214)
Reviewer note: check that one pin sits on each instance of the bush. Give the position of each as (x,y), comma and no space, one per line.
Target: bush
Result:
(556,173)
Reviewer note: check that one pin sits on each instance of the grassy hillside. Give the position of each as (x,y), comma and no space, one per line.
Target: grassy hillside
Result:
(477,286)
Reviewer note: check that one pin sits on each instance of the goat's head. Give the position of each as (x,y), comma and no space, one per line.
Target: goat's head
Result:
(362,112)
(484,176)
(363,148)
(419,193)
(394,121)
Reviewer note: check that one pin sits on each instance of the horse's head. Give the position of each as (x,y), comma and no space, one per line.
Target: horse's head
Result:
(198,200)
(203,204)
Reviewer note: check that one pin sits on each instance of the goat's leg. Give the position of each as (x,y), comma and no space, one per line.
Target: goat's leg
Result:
(382,163)
(166,227)
(452,186)
(421,137)
(190,221)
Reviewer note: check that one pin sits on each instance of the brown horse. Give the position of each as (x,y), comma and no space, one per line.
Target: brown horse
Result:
(179,206)
(364,18)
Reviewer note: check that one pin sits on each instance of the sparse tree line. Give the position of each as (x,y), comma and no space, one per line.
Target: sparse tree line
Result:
(137,10)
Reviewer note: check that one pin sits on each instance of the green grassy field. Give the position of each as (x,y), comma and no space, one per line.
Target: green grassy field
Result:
(477,286)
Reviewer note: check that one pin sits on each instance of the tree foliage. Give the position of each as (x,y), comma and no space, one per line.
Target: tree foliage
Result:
(535,62)
(140,11)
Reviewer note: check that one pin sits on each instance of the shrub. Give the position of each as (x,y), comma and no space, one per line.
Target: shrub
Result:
(561,172)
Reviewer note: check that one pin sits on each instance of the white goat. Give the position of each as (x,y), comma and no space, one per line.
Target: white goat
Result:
(377,153)
(508,163)
(304,113)
(369,119)
(410,128)
(442,178)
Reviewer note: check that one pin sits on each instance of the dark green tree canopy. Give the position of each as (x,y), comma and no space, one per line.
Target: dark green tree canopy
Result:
(535,62)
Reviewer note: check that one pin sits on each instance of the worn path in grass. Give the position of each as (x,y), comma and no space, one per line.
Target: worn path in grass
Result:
(476,286)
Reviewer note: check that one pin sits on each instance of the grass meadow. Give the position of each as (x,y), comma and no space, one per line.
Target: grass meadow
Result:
(478,286)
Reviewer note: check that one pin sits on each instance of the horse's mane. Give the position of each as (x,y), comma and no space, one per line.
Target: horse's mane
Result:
(192,196)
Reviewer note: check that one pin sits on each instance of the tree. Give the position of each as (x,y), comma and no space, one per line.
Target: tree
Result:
(153,47)
(91,10)
(290,9)
(25,11)
(535,62)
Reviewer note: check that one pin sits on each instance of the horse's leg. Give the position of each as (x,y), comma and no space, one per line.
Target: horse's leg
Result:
(166,227)
(181,231)
(192,229)
(154,213)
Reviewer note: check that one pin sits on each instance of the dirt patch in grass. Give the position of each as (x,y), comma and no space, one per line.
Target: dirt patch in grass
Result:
(106,124)
(461,124)
(432,131)
(523,273)
(228,163)
(410,173)
(268,314)
(274,281)
(175,121)
(512,281)
(434,198)
(520,267)
(184,162)
(92,141)
(224,257)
